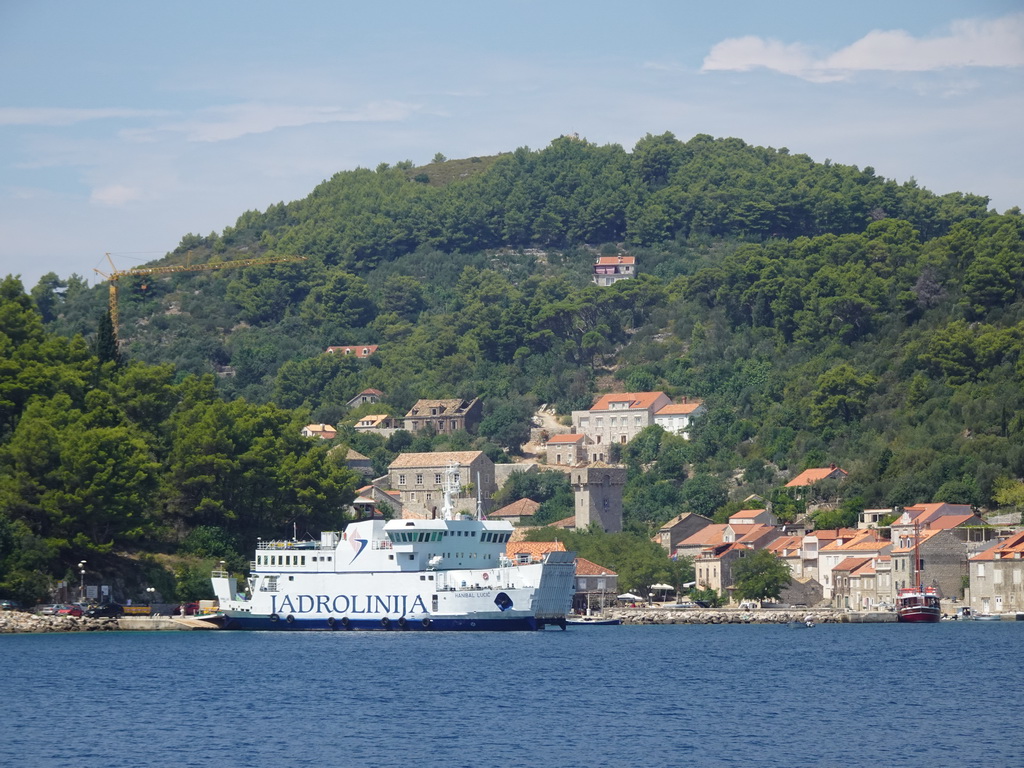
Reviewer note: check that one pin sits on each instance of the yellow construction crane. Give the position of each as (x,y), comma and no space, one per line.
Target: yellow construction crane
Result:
(116,274)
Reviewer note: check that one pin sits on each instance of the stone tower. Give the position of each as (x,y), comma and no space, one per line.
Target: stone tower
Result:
(598,491)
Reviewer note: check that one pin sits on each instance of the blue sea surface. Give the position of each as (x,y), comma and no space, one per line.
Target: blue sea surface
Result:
(736,695)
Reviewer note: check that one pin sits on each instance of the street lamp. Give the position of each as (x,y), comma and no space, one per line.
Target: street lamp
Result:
(81,586)
(149,594)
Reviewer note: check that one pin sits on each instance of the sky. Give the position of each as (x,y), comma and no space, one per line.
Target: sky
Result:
(125,126)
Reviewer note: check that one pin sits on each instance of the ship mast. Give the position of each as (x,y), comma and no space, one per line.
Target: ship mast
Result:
(451,487)
(917,556)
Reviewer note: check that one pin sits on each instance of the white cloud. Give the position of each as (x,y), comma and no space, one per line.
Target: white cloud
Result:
(57,116)
(998,43)
(225,123)
(115,195)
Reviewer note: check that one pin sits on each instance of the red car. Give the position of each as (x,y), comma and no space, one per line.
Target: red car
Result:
(68,610)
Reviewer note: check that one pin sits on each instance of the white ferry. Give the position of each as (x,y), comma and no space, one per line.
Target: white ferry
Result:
(449,573)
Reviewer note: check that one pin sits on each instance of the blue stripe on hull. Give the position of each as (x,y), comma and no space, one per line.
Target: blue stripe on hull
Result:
(264,623)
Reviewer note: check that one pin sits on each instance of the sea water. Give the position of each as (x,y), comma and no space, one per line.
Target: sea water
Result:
(737,695)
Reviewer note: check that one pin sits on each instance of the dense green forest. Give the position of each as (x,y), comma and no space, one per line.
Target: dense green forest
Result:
(824,313)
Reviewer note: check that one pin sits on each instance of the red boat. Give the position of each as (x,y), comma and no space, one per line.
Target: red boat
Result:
(917,603)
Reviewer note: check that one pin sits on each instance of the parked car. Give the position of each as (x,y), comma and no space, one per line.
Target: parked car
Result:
(46,610)
(10,605)
(107,610)
(68,610)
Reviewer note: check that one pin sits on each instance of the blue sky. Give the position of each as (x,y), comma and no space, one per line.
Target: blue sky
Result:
(126,125)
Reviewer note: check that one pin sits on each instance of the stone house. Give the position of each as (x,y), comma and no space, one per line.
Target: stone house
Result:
(679,528)
(444,416)
(355,461)
(377,422)
(419,479)
(366,396)
(997,577)
(519,511)
(713,565)
(617,418)
(943,561)
(567,450)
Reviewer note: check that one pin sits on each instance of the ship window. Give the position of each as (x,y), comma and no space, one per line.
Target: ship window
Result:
(472,533)
(303,560)
(422,577)
(291,578)
(430,577)
(328,558)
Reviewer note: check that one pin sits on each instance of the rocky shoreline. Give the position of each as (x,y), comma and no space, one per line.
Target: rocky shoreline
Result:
(731,616)
(15,622)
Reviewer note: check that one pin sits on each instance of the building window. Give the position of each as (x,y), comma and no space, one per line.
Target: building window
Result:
(437,478)
(419,479)
(981,570)
(401,479)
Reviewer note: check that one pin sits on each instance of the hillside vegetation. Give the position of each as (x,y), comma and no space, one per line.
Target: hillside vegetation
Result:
(824,313)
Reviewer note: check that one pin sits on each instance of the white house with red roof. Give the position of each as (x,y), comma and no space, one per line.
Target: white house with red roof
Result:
(608,270)
(323,431)
(677,417)
(997,577)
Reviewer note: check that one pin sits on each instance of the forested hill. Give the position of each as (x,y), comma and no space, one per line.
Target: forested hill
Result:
(824,313)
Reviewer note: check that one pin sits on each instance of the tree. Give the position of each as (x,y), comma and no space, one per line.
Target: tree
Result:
(761,576)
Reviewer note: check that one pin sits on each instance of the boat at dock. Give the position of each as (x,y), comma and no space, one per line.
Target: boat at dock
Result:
(592,621)
(917,603)
(447,573)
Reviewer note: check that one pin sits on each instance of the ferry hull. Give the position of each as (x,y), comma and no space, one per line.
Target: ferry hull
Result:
(346,624)
(920,615)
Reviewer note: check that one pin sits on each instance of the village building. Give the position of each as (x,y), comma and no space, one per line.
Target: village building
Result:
(997,577)
(863,544)
(419,478)
(598,493)
(355,350)
(713,564)
(680,528)
(359,463)
(608,270)
(520,511)
(323,431)
(942,558)
(677,417)
(444,416)
(567,450)
(377,422)
(618,417)
(753,517)
(366,396)
(596,586)
(815,475)
(387,501)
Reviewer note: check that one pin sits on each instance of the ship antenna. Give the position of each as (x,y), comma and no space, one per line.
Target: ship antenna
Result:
(479,499)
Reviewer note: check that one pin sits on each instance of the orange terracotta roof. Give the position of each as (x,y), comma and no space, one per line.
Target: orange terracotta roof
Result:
(784,544)
(811,476)
(605,261)
(679,408)
(518,508)
(923,536)
(585,567)
(565,522)
(1005,549)
(851,563)
(636,400)
(536,549)
(566,438)
(709,534)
